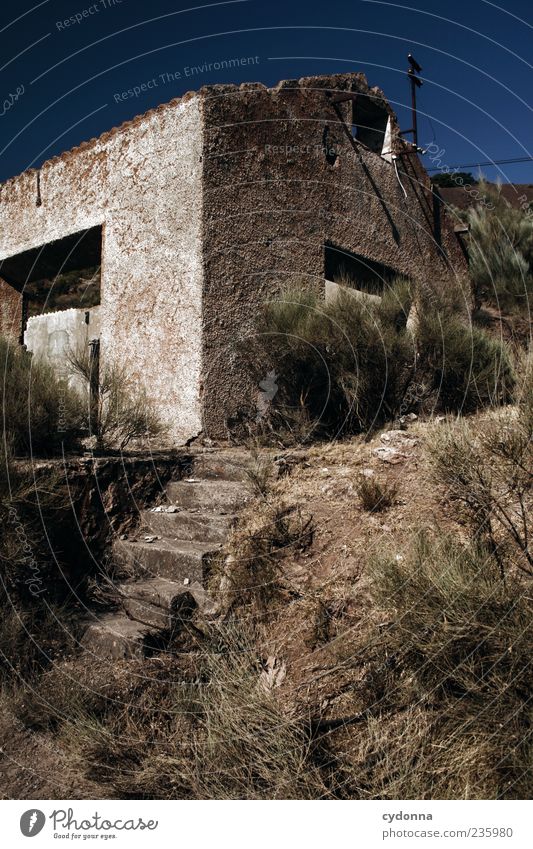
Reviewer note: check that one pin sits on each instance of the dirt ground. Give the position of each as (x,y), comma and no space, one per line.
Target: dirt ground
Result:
(33,765)
(311,635)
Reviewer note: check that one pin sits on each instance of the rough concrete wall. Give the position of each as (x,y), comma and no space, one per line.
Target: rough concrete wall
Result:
(53,336)
(142,183)
(10,312)
(272,198)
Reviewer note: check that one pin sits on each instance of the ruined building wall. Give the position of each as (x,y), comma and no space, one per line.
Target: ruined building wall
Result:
(142,183)
(272,199)
(53,335)
(209,206)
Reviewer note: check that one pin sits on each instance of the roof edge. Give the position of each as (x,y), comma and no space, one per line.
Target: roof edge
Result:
(213,90)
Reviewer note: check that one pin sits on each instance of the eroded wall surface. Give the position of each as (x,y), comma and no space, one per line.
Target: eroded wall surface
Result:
(282,177)
(142,183)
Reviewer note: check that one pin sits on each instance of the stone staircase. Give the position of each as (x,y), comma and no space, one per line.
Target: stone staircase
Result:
(169,558)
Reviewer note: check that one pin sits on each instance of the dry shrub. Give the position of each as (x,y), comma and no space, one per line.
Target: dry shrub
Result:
(376,495)
(487,469)
(34,504)
(31,640)
(220,735)
(36,623)
(36,611)
(115,411)
(251,574)
(40,413)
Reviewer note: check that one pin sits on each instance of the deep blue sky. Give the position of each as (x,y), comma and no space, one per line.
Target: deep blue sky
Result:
(477,65)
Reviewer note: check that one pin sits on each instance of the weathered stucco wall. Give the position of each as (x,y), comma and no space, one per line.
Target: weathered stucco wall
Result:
(142,182)
(10,312)
(272,199)
(54,336)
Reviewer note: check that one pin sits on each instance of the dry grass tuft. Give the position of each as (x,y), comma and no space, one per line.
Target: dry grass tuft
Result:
(449,714)
(376,495)
(252,575)
(221,735)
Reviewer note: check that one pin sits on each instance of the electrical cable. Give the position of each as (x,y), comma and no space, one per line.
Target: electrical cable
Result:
(394,158)
(487,162)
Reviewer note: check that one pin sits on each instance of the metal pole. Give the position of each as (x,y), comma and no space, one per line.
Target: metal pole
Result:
(94,387)
(412,72)
(413,108)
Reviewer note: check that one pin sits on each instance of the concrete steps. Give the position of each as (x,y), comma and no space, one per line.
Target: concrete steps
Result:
(155,610)
(169,559)
(176,560)
(220,496)
(158,603)
(116,637)
(229,466)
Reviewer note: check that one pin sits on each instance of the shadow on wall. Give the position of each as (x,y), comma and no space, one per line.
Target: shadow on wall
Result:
(355,271)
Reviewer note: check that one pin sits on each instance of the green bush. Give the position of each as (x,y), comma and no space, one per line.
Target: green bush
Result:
(40,412)
(466,367)
(346,366)
(396,301)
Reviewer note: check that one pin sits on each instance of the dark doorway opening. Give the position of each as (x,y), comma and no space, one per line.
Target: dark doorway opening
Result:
(356,271)
(369,122)
(59,275)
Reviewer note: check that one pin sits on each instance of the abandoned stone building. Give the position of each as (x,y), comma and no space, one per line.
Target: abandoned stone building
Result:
(199,211)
